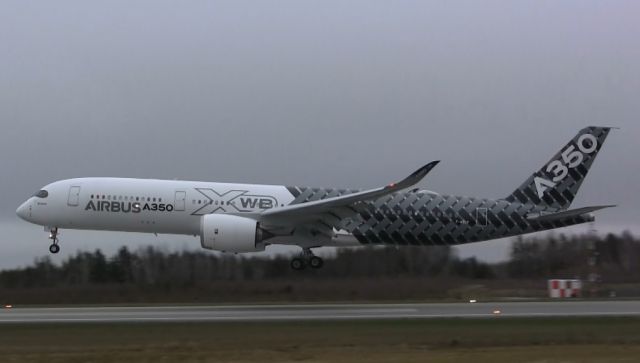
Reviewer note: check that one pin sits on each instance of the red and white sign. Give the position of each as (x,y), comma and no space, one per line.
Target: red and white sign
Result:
(564,288)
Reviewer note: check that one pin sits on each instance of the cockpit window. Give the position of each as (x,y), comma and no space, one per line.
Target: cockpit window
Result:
(41,194)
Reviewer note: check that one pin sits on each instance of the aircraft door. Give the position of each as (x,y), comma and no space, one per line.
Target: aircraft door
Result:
(74,196)
(180,200)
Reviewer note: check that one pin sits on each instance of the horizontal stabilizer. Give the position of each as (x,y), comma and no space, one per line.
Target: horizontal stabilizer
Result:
(567,213)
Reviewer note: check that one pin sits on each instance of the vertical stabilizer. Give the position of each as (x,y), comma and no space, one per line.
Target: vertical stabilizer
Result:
(556,184)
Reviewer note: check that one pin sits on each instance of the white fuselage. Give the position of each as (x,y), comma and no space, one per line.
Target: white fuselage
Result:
(145,205)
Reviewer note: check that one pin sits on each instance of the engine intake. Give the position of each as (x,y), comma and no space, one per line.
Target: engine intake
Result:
(229,233)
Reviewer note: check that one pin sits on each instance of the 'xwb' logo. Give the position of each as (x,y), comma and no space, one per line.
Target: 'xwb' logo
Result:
(233,201)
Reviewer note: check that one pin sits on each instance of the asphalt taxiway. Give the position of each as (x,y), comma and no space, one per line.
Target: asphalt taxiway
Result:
(317,312)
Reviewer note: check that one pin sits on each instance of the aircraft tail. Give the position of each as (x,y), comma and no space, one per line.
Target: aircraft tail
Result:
(556,184)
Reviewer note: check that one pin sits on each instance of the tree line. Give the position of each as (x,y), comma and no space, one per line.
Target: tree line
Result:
(614,258)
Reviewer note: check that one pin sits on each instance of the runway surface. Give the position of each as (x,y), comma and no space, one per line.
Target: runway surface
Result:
(317,312)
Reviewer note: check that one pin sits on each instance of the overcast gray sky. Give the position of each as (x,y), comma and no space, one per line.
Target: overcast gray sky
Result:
(318,93)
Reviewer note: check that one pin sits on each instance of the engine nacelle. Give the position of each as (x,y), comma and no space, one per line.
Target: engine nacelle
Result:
(229,233)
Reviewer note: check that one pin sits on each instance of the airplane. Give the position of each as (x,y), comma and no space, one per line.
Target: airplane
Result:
(242,218)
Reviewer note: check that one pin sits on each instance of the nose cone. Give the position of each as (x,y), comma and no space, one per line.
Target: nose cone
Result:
(24,211)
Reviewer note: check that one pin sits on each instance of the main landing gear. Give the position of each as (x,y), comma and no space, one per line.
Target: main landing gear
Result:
(307,259)
(53,236)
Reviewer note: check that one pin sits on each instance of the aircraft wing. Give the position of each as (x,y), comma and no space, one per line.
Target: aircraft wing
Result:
(330,211)
(567,213)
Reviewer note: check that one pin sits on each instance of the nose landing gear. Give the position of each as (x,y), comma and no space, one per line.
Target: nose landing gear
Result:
(307,259)
(53,236)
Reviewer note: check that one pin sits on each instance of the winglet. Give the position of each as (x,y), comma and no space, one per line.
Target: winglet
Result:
(415,177)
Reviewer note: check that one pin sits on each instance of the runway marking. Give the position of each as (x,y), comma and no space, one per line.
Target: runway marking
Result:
(318,312)
(288,318)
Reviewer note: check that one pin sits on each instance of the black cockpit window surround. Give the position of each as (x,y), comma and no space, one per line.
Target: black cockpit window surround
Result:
(41,194)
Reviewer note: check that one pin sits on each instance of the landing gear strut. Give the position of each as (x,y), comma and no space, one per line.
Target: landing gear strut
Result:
(53,236)
(307,259)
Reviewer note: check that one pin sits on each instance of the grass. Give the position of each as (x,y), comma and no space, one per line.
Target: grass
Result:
(436,340)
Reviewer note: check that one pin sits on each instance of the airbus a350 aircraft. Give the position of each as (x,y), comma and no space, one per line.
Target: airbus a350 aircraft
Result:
(246,217)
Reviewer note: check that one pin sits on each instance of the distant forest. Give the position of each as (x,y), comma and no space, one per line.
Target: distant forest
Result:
(150,274)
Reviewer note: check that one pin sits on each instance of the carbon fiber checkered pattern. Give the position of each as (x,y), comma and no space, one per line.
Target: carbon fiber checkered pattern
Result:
(423,218)
(416,218)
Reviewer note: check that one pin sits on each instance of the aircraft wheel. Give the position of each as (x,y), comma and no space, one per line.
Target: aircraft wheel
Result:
(297,264)
(316,262)
(54,248)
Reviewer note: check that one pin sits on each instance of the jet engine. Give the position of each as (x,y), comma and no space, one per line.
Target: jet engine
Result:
(229,233)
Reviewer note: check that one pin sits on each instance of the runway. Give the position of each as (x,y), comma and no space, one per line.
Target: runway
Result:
(317,312)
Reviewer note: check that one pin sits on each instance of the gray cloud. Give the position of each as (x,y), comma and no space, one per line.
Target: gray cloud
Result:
(317,93)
